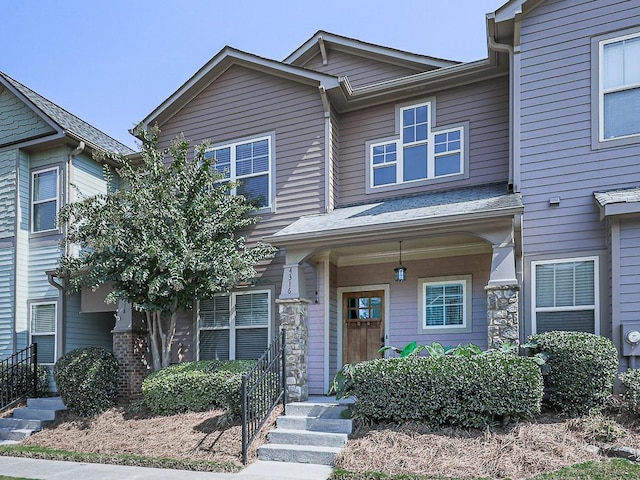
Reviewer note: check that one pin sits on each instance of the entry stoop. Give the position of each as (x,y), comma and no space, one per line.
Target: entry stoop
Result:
(310,432)
(38,413)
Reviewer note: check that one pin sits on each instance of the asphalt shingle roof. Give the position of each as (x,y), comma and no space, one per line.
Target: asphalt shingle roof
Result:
(625,195)
(432,207)
(69,122)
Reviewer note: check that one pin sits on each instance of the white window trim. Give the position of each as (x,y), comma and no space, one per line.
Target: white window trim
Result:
(54,333)
(34,202)
(596,295)
(467,321)
(232,320)
(398,140)
(270,172)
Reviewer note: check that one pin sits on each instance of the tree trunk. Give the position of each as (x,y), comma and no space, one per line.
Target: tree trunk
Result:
(160,338)
(152,327)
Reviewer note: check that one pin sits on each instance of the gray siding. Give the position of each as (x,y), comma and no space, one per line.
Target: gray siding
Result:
(7,193)
(556,116)
(42,259)
(483,105)
(315,326)
(403,321)
(17,121)
(333,321)
(360,70)
(629,279)
(7,310)
(86,329)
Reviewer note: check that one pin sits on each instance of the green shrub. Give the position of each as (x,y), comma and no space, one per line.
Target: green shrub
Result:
(196,387)
(582,369)
(631,395)
(20,379)
(87,380)
(471,392)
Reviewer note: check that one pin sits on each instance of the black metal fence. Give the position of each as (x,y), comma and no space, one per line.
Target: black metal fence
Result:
(263,387)
(19,376)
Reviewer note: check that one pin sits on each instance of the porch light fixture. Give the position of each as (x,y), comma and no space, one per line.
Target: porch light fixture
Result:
(400,273)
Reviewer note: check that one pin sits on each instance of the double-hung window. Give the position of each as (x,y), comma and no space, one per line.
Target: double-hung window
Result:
(44,199)
(248,162)
(619,95)
(43,319)
(445,303)
(234,326)
(419,152)
(565,295)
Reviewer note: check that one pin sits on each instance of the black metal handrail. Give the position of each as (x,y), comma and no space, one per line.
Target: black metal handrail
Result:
(263,387)
(19,376)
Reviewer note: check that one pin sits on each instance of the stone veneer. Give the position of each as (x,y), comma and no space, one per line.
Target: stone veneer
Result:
(293,314)
(502,314)
(129,348)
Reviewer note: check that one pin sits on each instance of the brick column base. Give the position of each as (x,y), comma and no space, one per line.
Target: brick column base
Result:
(502,315)
(129,348)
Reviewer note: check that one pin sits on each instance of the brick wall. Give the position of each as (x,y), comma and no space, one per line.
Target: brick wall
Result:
(130,350)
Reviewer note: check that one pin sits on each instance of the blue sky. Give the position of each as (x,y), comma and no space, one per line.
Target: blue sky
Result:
(111,62)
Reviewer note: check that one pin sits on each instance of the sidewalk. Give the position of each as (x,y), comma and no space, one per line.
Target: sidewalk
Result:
(58,470)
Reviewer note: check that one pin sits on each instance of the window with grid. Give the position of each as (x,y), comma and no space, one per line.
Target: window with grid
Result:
(42,329)
(565,295)
(234,326)
(44,200)
(445,304)
(419,153)
(620,87)
(249,163)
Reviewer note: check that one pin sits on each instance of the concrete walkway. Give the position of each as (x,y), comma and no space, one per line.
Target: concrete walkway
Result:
(56,470)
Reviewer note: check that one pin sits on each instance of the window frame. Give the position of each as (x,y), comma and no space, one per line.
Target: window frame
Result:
(232,328)
(54,333)
(33,202)
(398,140)
(467,309)
(596,286)
(270,137)
(598,92)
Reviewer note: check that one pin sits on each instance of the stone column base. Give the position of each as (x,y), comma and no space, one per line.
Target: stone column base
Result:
(502,315)
(129,348)
(293,315)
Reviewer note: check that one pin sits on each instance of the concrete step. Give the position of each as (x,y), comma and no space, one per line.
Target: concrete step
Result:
(297,454)
(282,436)
(35,414)
(17,423)
(318,410)
(16,434)
(329,425)
(46,403)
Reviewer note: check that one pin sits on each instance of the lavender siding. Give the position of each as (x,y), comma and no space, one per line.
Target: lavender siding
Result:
(629,279)
(556,115)
(360,70)
(484,105)
(403,321)
(315,325)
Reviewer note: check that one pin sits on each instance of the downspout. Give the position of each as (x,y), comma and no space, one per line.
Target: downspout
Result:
(328,171)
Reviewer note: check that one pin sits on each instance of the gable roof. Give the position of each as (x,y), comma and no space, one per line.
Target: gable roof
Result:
(62,120)
(321,40)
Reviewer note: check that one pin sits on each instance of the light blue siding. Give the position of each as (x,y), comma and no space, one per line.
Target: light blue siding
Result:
(86,329)
(42,259)
(88,178)
(18,122)
(7,193)
(22,254)
(7,284)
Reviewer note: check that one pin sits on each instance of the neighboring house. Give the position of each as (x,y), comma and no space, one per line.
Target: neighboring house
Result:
(512,183)
(45,161)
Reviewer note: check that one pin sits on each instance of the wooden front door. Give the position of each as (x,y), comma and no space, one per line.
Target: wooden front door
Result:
(362,325)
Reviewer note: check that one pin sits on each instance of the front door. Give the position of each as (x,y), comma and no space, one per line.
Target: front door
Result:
(362,326)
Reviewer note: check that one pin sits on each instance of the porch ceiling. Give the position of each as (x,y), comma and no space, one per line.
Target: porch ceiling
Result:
(448,211)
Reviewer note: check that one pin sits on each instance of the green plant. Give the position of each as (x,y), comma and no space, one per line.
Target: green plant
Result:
(196,387)
(631,394)
(469,391)
(581,369)
(435,349)
(87,380)
(410,349)
(21,380)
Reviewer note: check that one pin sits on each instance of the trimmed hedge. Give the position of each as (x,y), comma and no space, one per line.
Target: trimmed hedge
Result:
(196,387)
(87,380)
(631,395)
(471,392)
(582,369)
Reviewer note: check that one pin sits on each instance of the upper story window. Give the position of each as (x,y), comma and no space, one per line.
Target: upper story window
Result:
(249,162)
(420,152)
(44,199)
(565,295)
